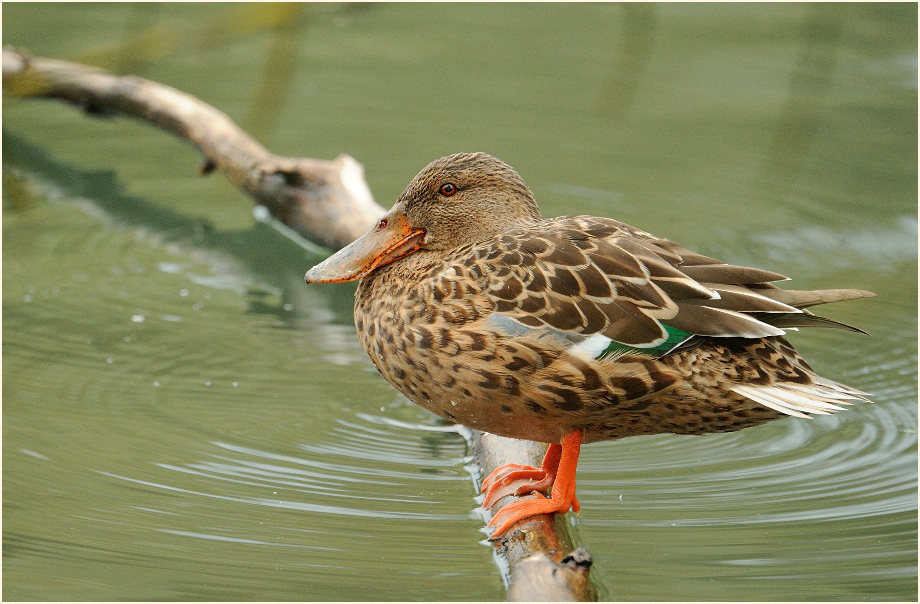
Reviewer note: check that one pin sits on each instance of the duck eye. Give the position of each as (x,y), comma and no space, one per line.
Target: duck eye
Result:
(447,189)
(382,224)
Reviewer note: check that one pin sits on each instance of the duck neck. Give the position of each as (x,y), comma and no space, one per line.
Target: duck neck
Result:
(402,273)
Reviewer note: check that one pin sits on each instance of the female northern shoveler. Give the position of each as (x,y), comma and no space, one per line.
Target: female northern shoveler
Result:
(568,330)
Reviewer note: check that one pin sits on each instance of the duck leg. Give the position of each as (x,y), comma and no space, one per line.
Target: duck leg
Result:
(558,470)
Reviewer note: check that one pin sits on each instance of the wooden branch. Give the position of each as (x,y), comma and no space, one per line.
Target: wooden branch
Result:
(326,202)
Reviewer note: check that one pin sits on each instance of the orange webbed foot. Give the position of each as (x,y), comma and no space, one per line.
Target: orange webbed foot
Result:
(518,483)
(517,479)
(508,473)
(519,510)
(558,470)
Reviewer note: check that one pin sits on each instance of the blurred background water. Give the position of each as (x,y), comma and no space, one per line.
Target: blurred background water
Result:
(184,419)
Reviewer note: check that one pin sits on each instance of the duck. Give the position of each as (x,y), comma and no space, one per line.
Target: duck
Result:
(569,330)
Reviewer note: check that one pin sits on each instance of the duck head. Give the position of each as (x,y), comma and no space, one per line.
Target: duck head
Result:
(455,200)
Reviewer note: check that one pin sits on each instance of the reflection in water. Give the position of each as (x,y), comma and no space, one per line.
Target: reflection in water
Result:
(636,42)
(279,76)
(151,34)
(882,244)
(812,77)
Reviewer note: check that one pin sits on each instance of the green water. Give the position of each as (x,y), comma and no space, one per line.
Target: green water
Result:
(184,419)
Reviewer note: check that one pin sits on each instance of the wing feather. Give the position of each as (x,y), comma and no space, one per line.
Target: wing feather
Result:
(582,275)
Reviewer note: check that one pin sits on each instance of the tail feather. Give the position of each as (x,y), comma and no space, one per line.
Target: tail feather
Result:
(801,400)
(801,298)
(830,388)
(805,319)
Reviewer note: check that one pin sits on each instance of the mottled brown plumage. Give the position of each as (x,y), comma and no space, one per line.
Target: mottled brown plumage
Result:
(478,309)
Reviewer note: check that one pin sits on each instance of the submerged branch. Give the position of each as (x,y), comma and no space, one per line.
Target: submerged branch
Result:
(326,202)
